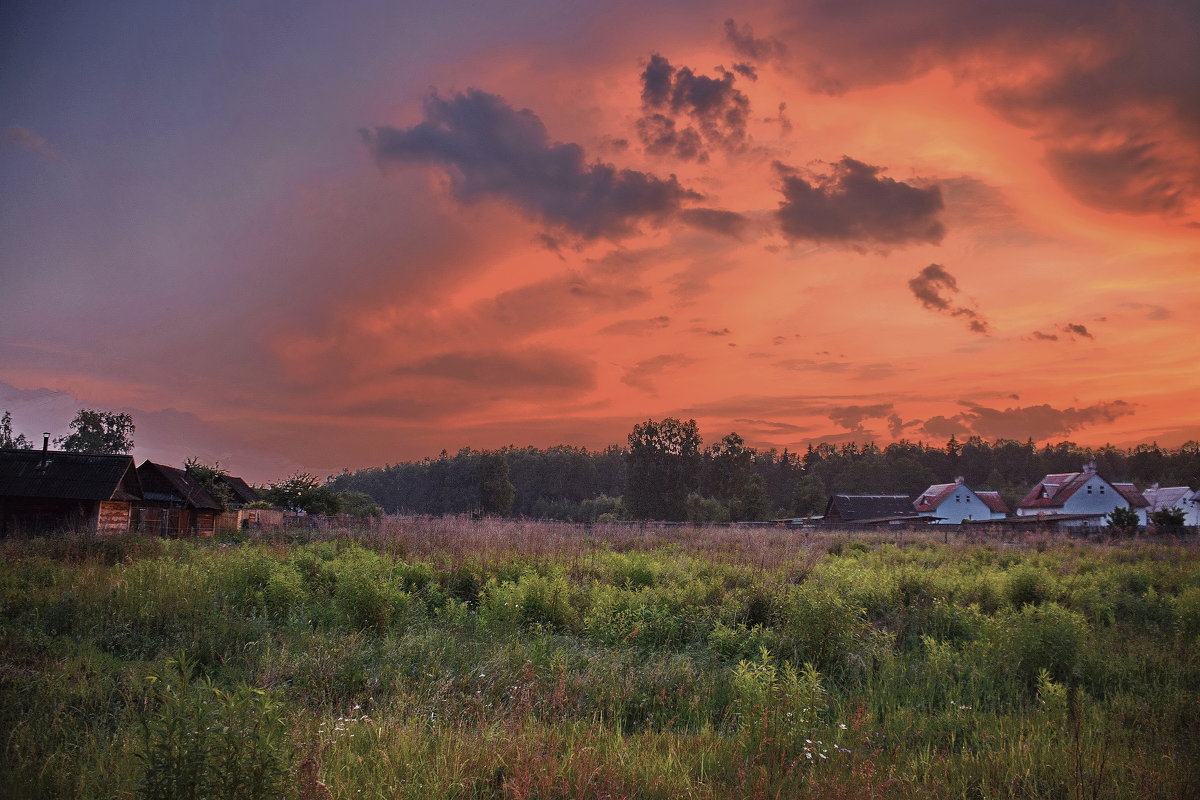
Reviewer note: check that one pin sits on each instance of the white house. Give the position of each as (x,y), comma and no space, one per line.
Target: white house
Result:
(1084,497)
(1180,497)
(954,502)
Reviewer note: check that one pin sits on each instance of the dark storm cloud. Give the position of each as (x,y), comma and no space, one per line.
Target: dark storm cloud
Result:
(1040,422)
(1129,177)
(934,287)
(747,45)
(852,417)
(1075,329)
(642,374)
(944,427)
(534,369)
(676,99)
(1109,88)
(661,138)
(637,327)
(715,220)
(490,149)
(1020,423)
(856,204)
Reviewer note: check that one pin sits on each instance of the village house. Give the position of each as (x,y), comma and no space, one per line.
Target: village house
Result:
(1081,499)
(174,503)
(952,503)
(1181,497)
(48,491)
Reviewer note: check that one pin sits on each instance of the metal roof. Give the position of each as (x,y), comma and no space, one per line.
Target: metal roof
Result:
(66,476)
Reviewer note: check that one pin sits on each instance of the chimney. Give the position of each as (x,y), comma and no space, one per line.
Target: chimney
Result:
(958,481)
(1090,466)
(45,441)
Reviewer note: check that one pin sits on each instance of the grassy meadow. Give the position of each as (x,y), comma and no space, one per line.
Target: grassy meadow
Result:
(451,659)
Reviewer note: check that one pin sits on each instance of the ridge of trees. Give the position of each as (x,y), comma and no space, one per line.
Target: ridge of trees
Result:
(665,472)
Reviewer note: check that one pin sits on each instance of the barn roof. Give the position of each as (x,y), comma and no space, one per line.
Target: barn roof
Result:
(67,476)
(239,489)
(172,485)
(863,507)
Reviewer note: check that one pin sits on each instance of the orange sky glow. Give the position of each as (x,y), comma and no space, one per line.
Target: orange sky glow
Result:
(802,225)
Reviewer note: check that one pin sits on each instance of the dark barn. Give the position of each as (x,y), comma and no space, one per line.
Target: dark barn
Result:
(869,509)
(48,491)
(174,504)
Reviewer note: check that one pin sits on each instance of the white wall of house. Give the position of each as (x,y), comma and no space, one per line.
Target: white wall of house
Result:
(1097,496)
(962,504)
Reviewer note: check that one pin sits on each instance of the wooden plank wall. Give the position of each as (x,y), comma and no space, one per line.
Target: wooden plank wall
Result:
(113,516)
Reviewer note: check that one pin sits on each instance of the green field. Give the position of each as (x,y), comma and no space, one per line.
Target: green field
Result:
(453,659)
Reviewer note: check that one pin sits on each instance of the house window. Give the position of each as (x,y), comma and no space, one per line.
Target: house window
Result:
(1089,489)
(1101,490)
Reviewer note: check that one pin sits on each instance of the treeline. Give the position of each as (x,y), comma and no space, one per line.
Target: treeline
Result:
(665,472)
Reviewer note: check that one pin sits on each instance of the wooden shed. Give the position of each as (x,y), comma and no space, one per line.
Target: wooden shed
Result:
(48,491)
(173,503)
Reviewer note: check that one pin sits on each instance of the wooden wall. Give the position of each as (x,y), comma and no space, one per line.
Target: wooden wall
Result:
(113,516)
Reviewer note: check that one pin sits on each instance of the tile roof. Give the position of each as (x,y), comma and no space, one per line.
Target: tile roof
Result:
(1057,489)
(1130,493)
(994,501)
(932,497)
(66,476)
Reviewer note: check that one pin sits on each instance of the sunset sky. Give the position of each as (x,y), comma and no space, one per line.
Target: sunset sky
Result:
(297,235)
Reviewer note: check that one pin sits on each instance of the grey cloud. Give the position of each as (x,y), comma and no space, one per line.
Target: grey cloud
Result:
(1108,88)
(715,220)
(934,286)
(1041,421)
(746,44)
(855,204)
(1045,337)
(945,427)
(490,149)
(1154,312)
(642,374)
(717,108)
(1075,329)
(852,417)
(534,369)
(637,327)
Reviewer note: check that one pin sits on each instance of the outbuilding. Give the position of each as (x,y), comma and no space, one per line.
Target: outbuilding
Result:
(52,491)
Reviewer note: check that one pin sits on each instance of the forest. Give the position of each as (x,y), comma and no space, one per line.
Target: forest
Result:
(664,471)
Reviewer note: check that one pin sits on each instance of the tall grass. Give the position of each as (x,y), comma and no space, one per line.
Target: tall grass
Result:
(505,660)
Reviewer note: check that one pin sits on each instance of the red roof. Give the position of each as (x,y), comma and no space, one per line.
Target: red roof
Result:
(932,497)
(1054,490)
(994,501)
(1130,493)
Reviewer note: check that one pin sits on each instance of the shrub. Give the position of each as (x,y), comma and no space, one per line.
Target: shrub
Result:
(199,741)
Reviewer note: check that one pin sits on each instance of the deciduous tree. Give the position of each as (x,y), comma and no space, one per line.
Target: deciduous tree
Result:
(103,432)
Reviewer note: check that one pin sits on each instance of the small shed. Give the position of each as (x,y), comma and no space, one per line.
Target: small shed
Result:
(174,504)
(47,491)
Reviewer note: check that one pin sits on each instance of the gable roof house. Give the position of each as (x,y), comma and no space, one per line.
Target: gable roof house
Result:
(174,503)
(871,509)
(954,502)
(46,491)
(1180,497)
(1081,498)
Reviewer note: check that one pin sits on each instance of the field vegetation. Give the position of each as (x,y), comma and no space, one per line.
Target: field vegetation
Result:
(451,659)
